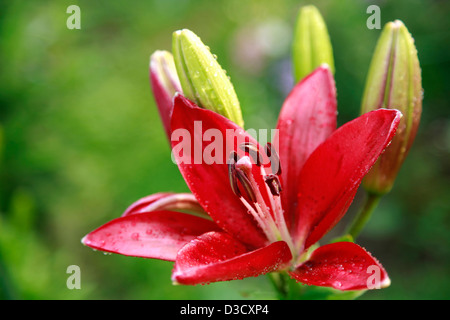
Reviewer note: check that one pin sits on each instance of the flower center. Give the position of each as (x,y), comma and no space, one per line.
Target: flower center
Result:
(267,211)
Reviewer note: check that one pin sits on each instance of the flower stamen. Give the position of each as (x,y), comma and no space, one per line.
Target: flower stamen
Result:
(232,172)
(269,216)
(273,183)
(274,159)
(247,184)
(253,151)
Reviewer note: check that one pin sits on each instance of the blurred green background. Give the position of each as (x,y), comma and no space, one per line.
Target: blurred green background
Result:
(81,139)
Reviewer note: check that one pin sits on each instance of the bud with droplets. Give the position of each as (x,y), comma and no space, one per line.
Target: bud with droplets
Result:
(394,82)
(165,83)
(312,46)
(202,78)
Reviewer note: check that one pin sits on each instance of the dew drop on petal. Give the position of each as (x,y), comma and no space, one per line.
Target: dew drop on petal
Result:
(135,236)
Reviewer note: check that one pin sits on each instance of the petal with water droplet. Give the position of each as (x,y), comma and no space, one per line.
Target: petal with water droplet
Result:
(157,234)
(216,256)
(307,118)
(209,181)
(343,266)
(330,177)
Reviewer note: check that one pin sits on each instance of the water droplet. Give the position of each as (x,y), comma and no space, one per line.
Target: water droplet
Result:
(135,236)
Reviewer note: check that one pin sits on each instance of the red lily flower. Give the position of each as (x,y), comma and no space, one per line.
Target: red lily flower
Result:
(268,218)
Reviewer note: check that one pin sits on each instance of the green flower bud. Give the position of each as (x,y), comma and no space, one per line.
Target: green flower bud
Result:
(394,81)
(312,46)
(202,78)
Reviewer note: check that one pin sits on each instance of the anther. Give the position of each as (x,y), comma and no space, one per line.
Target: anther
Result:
(238,168)
(252,150)
(245,182)
(232,172)
(274,159)
(273,183)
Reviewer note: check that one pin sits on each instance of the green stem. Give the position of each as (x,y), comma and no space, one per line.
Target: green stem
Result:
(279,282)
(364,214)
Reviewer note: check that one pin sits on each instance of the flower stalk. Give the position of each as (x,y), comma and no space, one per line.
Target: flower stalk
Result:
(363,216)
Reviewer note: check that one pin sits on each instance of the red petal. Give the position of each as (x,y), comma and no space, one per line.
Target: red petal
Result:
(343,266)
(307,118)
(333,172)
(158,234)
(216,256)
(167,201)
(163,97)
(210,182)
(140,204)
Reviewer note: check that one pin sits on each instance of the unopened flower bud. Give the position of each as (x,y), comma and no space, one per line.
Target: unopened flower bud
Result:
(165,83)
(394,81)
(312,46)
(202,78)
